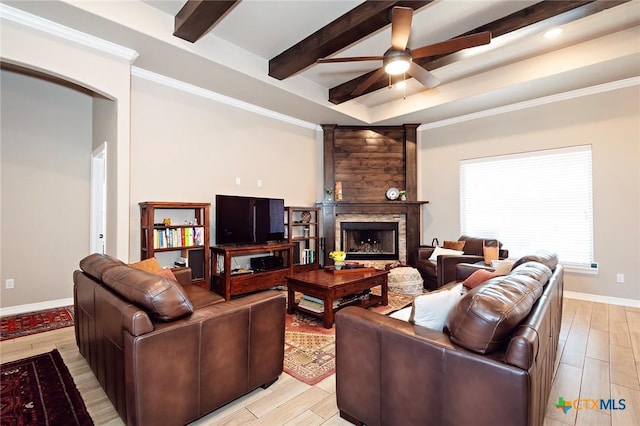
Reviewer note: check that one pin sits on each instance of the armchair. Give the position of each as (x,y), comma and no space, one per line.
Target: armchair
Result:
(437,273)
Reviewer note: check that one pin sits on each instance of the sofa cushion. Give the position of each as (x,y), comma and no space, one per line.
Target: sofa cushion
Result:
(545,257)
(484,318)
(534,270)
(97,264)
(201,297)
(478,277)
(438,251)
(162,298)
(453,245)
(431,310)
(474,245)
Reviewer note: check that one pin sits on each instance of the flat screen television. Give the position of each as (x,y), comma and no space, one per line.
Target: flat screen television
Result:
(248,220)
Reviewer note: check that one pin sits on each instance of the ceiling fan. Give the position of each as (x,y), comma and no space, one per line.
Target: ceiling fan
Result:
(399,59)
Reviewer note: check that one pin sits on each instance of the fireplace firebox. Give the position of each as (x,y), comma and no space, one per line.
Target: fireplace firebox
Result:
(369,240)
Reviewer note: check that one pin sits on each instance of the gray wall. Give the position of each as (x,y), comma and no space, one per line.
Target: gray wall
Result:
(46,146)
(608,121)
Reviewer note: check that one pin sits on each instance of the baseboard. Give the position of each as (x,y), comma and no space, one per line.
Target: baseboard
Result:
(33,307)
(633,303)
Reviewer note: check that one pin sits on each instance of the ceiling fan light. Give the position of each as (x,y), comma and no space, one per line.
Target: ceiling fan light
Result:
(397,66)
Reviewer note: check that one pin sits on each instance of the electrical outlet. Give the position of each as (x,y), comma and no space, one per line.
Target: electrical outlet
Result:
(9,283)
(620,278)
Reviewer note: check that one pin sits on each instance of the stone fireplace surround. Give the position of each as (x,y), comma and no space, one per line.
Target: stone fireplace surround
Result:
(400,219)
(407,212)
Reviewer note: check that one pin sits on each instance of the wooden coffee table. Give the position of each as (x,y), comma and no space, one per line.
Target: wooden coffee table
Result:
(330,286)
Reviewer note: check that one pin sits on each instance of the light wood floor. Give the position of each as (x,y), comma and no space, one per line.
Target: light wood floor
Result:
(599,358)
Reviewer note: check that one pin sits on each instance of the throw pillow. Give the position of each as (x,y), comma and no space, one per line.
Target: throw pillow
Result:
(479,277)
(504,267)
(440,251)
(167,273)
(454,245)
(431,310)
(490,254)
(150,265)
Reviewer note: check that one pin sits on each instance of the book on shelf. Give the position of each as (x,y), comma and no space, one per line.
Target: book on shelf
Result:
(308,256)
(315,304)
(310,306)
(178,237)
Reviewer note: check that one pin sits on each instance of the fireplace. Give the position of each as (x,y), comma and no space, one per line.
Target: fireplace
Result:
(372,237)
(369,240)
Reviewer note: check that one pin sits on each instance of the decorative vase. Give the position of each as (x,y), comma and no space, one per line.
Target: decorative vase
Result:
(338,265)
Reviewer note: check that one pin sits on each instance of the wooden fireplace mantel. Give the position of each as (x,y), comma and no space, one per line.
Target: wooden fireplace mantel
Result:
(411,210)
(367,161)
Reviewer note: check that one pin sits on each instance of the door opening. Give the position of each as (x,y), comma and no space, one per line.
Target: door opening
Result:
(98,221)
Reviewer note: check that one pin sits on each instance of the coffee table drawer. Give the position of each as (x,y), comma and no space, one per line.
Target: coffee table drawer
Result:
(249,282)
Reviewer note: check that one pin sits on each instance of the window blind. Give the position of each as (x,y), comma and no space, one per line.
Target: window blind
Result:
(530,201)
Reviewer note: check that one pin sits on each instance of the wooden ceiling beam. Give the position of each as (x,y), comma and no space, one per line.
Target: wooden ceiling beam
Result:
(197,17)
(359,22)
(557,12)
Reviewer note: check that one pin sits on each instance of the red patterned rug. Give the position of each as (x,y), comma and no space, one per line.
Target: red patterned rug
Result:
(40,391)
(12,326)
(309,348)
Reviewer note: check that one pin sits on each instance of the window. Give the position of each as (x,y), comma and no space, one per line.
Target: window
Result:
(530,201)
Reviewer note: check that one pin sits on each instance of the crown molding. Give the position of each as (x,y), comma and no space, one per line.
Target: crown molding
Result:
(558,97)
(227,100)
(35,22)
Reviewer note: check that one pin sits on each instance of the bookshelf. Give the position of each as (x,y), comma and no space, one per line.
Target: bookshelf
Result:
(302,230)
(170,231)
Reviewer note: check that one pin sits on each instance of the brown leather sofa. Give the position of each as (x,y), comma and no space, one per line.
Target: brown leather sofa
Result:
(492,365)
(168,353)
(437,273)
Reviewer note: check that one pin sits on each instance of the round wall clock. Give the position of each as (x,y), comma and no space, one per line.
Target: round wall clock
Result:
(393,193)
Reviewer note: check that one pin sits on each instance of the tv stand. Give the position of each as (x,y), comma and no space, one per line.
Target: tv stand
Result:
(227,283)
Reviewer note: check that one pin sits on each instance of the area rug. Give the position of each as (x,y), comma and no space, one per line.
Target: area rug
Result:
(309,348)
(39,390)
(12,326)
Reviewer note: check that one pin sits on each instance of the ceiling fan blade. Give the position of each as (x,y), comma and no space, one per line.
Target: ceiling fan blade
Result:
(362,87)
(423,76)
(400,27)
(452,45)
(349,59)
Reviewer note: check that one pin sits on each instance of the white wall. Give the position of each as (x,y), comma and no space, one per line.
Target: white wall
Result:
(608,121)
(186,147)
(46,146)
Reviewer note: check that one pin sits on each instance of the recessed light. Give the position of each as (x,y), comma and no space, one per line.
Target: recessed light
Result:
(553,33)
(401,84)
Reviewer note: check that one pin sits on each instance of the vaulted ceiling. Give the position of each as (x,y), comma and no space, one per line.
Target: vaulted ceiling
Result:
(265,52)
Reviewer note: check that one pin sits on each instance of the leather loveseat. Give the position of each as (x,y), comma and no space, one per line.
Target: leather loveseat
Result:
(167,353)
(492,364)
(437,273)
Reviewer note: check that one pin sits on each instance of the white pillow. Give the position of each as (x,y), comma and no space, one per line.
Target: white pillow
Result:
(403,314)
(439,250)
(503,267)
(431,310)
